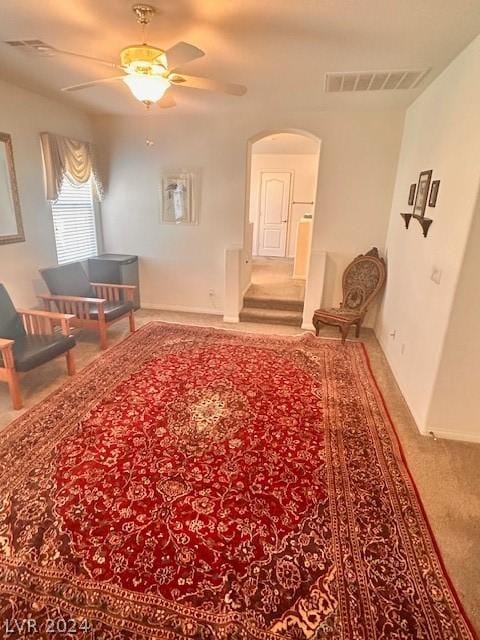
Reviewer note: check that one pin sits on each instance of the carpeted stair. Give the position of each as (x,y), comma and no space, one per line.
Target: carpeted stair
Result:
(272,311)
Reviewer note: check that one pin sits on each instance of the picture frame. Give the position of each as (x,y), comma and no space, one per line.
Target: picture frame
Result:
(411,194)
(176,199)
(421,197)
(11,224)
(432,201)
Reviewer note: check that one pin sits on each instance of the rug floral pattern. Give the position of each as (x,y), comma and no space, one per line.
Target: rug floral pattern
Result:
(197,483)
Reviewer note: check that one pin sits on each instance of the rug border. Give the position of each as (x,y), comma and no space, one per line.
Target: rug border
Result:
(70,380)
(394,430)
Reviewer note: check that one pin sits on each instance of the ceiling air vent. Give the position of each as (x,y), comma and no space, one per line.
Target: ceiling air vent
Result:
(374,80)
(37,47)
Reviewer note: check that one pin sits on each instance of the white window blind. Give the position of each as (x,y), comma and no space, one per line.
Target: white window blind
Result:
(74,222)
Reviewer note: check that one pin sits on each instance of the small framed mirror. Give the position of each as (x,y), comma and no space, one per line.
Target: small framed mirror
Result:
(11,226)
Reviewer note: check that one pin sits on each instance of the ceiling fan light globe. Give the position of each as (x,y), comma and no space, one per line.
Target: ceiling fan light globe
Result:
(146,88)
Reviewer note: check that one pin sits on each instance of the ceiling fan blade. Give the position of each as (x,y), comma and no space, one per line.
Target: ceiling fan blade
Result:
(207,84)
(92,83)
(167,102)
(181,53)
(105,63)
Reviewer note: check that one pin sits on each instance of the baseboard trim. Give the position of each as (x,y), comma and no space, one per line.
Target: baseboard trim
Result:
(308,326)
(448,434)
(444,434)
(233,319)
(181,308)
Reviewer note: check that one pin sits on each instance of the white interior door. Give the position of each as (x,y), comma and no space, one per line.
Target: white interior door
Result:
(274,209)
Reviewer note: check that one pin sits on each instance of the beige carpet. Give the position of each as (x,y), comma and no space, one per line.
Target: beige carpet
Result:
(446,472)
(272,279)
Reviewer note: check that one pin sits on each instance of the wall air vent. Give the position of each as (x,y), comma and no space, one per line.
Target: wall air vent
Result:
(37,47)
(374,80)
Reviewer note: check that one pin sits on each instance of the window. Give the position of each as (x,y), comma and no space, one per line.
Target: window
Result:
(74,222)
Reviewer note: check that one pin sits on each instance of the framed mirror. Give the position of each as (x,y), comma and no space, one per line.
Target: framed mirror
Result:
(11,226)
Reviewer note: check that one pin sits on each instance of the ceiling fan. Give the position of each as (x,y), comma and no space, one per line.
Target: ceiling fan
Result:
(149,71)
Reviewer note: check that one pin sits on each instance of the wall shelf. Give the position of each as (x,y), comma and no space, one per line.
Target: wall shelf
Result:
(424,223)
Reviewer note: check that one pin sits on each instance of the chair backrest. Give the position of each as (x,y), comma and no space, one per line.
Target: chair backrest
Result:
(362,280)
(11,325)
(68,280)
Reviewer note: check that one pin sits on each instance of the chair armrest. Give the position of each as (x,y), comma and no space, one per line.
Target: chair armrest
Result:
(56,298)
(6,351)
(113,286)
(113,292)
(6,344)
(32,321)
(45,314)
(78,306)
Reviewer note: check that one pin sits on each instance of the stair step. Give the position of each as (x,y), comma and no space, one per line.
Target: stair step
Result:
(273,303)
(271,316)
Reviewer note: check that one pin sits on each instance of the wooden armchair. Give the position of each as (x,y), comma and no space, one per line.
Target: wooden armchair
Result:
(362,281)
(94,305)
(28,339)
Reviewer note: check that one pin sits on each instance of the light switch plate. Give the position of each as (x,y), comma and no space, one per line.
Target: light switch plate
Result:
(436,275)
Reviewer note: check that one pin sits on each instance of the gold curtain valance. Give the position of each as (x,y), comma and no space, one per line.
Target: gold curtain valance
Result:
(71,158)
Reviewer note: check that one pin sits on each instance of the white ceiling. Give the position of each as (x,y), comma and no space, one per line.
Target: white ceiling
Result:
(280,49)
(282,143)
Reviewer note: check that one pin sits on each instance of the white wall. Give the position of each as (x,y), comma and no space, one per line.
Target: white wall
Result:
(442,133)
(179,265)
(304,169)
(24,115)
(455,410)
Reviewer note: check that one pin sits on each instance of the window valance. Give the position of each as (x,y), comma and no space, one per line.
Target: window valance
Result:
(71,158)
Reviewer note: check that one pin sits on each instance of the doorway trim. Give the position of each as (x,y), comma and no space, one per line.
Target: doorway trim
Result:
(247,257)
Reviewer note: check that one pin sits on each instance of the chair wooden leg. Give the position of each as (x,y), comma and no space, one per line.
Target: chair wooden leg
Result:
(344,331)
(14,388)
(357,329)
(70,362)
(131,320)
(103,335)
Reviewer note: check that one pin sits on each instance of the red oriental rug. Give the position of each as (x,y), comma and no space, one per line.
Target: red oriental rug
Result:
(207,484)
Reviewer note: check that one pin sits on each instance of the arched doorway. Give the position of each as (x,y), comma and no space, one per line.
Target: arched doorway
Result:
(282,174)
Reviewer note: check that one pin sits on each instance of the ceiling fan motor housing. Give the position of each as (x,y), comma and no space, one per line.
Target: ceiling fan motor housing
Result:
(144,13)
(143,58)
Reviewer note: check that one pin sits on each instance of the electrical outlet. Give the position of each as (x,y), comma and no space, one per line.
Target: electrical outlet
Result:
(212,296)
